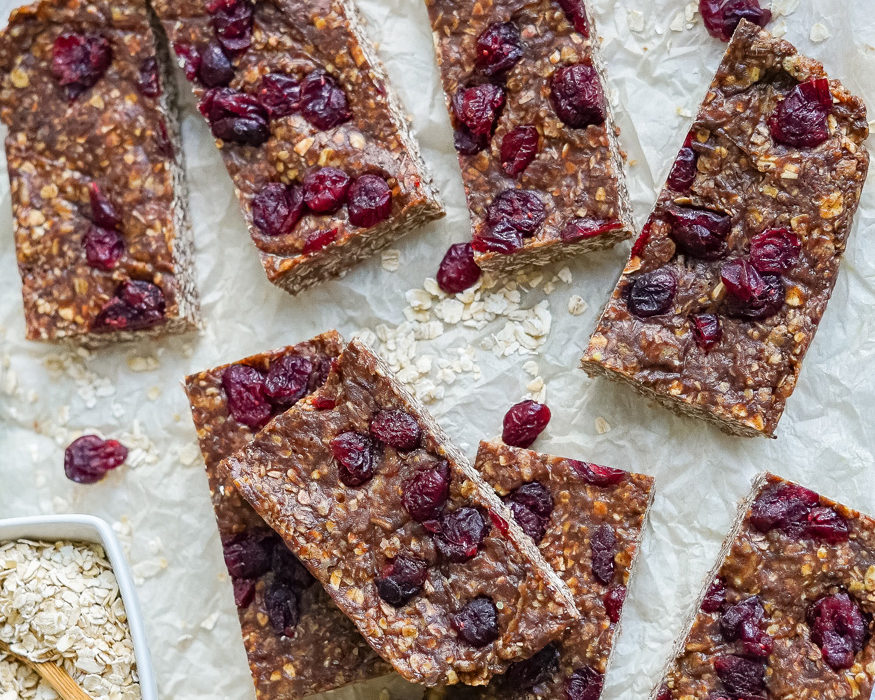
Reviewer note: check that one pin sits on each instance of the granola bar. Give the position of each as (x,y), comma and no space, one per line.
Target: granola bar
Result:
(727,284)
(536,141)
(101,232)
(787,614)
(320,152)
(297,641)
(406,537)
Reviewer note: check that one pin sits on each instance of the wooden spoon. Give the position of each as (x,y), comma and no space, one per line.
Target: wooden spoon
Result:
(59,680)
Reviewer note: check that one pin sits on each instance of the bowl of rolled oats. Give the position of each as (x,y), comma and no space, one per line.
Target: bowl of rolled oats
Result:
(66,595)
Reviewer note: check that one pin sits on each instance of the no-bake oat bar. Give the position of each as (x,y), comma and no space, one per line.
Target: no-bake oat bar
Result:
(787,614)
(727,284)
(406,537)
(537,144)
(297,641)
(319,149)
(101,232)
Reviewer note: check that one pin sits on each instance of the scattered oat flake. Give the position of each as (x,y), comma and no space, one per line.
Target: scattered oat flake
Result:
(635,20)
(576,305)
(782,8)
(602,426)
(391,259)
(819,33)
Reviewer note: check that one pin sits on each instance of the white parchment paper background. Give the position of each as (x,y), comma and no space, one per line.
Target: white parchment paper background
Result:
(659,66)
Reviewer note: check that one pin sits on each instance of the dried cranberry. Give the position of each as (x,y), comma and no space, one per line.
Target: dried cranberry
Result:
(325,190)
(715,597)
(356,456)
(523,676)
(597,475)
(103,247)
(784,507)
(518,149)
(683,172)
(88,458)
(756,296)
(397,429)
(215,70)
(524,422)
(699,232)
(79,61)
(775,250)
(603,545)
(500,523)
(613,601)
(503,238)
(707,330)
(579,229)
(369,201)
(764,306)
(576,14)
(458,271)
(741,676)
(477,108)
(235,117)
(247,400)
(277,208)
(584,684)
(641,242)
(499,48)
(232,22)
(742,280)
(460,534)
(103,213)
(722,17)
(281,603)
(802,119)
(244,591)
(477,622)
(531,505)
(323,403)
(466,143)
(426,492)
(191,59)
(280,95)
(288,379)
(839,628)
(149,80)
(522,209)
(136,305)
(652,293)
(317,240)
(741,622)
(323,101)
(664,693)
(247,555)
(402,579)
(577,96)
(827,525)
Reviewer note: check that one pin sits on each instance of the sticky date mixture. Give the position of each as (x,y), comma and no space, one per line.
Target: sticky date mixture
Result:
(402,532)
(727,284)
(788,613)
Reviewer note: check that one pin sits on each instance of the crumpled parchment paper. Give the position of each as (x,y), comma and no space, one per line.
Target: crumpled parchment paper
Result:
(659,61)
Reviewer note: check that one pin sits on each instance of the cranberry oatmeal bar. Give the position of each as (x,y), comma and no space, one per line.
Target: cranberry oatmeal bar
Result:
(406,537)
(101,231)
(536,141)
(727,284)
(320,152)
(297,641)
(787,615)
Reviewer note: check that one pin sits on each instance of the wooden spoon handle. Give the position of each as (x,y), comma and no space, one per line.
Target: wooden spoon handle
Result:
(60,681)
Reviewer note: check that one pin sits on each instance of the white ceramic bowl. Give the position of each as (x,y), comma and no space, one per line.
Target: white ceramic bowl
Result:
(87,528)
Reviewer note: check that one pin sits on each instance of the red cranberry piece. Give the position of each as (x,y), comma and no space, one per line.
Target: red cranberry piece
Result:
(576,14)
(235,117)
(103,213)
(317,240)
(531,505)
(579,229)
(603,545)
(499,48)
(577,96)
(88,458)
(597,475)
(467,143)
(802,119)
(232,22)
(247,400)
(460,534)
(742,280)
(839,628)
(370,201)
(280,95)
(584,684)
(523,676)
(215,69)
(652,293)
(244,592)
(707,330)
(522,209)
(458,271)
(247,555)
(722,17)
(827,525)
(775,250)
(530,523)
(323,403)
(741,622)
(103,247)
(137,305)
(149,80)
(281,604)
(754,296)
(784,507)
(323,101)
(524,422)
(191,59)
(503,238)
(683,172)
(287,568)
(397,429)
(741,676)
(641,242)
(699,232)
(288,379)
(477,622)
(79,61)
(402,579)
(356,456)
(614,603)
(425,493)
(500,523)
(478,107)
(518,149)
(325,190)
(277,208)
(664,693)
(715,597)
